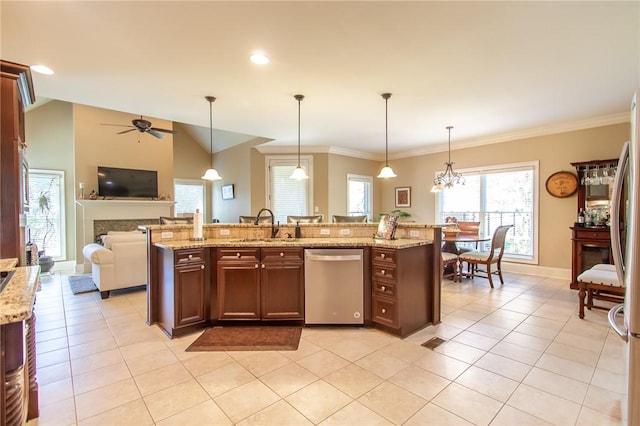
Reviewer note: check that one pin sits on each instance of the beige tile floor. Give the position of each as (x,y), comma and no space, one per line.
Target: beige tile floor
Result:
(514,355)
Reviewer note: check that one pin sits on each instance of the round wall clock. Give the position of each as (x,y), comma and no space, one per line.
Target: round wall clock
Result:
(562,184)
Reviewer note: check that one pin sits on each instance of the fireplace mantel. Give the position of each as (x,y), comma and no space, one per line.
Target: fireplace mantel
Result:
(88,211)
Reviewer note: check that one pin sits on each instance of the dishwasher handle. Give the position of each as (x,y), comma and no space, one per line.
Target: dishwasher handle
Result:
(334,257)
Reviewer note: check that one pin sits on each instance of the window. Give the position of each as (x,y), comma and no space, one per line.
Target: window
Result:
(359,195)
(45,218)
(286,196)
(189,195)
(499,195)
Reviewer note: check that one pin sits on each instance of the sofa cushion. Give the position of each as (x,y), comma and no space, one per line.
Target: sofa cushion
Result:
(125,237)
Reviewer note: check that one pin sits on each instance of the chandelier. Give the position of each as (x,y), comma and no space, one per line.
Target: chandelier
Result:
(448,178)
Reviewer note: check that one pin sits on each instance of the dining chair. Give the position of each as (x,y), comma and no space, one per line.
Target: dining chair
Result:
(305,219)
(492,257)
(348,219)
(448,266)
(252,219)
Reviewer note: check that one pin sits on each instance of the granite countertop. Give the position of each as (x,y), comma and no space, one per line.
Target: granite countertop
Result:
(292,242)
(8,264)
(17,298)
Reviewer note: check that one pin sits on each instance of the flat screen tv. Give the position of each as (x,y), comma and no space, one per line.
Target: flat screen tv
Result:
(128,183)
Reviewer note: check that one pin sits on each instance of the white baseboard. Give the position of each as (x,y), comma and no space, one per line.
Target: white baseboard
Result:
(543,271)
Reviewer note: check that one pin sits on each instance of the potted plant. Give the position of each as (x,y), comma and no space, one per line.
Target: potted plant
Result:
(400,214)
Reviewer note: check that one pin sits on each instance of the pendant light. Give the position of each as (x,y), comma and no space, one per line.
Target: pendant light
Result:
(211,174)
(448,178)
(386,172)
(299,172)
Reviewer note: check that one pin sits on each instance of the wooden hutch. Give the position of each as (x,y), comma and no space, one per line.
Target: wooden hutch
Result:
(591,242)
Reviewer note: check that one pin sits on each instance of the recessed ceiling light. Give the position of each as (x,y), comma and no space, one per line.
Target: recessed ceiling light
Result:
(259,59)
(42,69)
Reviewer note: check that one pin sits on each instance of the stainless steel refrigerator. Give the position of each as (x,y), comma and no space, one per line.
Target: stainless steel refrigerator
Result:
(628,261)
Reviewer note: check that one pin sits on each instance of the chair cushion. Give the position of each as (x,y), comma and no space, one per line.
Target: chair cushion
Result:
(604,267)
(449,257)
(599,276)
(477,256)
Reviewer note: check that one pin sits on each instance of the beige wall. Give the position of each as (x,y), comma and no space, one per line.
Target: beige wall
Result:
(49,133)
(338,168)
(555,152)
(98,145)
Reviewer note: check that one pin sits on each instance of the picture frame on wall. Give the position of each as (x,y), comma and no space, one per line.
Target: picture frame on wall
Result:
(228,192)
(403,196)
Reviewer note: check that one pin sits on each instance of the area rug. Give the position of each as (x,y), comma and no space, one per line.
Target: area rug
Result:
(248,338)
(81,284)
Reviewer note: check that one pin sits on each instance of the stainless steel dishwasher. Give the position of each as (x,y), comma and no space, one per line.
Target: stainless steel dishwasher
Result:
(334,292)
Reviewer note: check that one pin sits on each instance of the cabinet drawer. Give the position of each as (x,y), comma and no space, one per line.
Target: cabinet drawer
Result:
(247,254)
(383,256)
(588,234)
(282,254)
(384,271)
(189,256)
(385,311)
(383,287)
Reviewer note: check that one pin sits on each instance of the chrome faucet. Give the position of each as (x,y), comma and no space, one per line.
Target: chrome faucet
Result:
(274,229)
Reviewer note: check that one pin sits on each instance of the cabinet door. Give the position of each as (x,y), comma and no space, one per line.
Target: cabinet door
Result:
(190,294)
(238,290)
(282,290)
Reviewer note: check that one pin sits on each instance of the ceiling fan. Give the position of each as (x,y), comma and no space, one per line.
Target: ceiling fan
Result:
(143,126)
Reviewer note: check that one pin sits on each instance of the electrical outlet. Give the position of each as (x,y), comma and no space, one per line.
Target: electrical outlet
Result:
(414,233)
(166,234)
(345,231)
(225,232)
(325,231)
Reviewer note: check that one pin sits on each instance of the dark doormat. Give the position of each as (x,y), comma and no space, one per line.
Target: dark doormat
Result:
(248,338)
(81,284)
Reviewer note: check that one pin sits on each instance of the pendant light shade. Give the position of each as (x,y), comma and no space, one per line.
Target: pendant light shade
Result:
(211,174)
(448,178)
(387,171)
(299,172)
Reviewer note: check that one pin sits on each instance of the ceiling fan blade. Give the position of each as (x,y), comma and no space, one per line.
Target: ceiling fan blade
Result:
(119,125)
(153,132)
(126,131)
(173,132)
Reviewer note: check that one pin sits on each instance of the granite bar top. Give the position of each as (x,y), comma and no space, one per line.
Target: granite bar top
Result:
(8,264)
(292,242)
(17,298)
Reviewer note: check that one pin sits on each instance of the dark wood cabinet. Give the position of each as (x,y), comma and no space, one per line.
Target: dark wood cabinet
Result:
(590,246)
(260,284)
(401,301)
(183,291)
(282,284)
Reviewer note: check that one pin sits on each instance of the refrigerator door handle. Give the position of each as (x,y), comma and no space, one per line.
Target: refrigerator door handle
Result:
(623,333)
(616,195)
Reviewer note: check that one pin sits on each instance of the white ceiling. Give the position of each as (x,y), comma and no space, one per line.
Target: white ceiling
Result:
(493,70)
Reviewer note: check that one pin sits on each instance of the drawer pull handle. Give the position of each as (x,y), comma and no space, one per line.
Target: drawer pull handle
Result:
(237,254)
(281,254)
(190,256)
(263,266)
(384,311)
(382,255)
(256,266)
(382,271)
(383,288)
(201,266)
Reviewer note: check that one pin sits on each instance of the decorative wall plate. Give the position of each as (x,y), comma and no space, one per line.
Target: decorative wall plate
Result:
(562,184)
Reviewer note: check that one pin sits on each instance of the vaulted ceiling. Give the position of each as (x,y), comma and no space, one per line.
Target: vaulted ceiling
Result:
(493,70)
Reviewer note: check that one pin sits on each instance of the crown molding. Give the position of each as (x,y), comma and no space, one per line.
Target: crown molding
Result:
(517,136)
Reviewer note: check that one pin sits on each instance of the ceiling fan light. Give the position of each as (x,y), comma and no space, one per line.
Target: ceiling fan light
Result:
(211,174)
(386,172)
(299,174)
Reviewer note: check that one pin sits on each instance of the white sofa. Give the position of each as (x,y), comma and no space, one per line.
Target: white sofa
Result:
(120,262)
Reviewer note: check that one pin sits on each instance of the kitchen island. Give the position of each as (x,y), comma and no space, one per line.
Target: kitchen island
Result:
(236,274)
(19,390)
